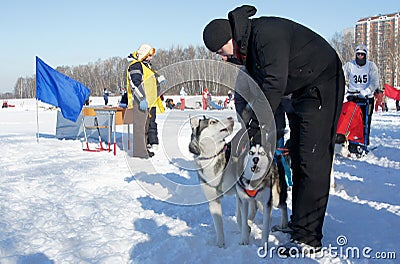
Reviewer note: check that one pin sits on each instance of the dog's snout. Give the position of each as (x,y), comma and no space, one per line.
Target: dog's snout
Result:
(256,159)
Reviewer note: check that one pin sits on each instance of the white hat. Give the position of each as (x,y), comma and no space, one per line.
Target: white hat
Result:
(361,49)
(144,51)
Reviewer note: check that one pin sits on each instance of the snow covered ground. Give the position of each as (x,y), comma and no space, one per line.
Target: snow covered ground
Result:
(59,204)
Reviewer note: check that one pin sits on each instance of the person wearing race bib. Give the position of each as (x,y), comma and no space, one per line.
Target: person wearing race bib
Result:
(362,78)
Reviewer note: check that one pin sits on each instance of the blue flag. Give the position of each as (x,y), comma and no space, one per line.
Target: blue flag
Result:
(57,89)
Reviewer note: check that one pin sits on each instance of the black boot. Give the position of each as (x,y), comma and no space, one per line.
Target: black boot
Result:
(151,154)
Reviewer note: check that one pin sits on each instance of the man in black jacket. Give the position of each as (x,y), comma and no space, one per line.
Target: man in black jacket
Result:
(286,58)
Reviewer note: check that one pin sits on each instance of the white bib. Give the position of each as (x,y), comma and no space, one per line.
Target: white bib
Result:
(359,77)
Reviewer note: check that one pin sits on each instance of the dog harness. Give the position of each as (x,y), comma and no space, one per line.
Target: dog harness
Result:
(227,150)
(250,193)
(279,156)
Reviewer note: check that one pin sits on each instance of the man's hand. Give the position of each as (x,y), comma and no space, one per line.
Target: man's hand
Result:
(143,105)
(364,93)
(161,79)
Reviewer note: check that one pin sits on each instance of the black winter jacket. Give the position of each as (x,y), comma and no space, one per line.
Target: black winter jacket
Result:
(282,56)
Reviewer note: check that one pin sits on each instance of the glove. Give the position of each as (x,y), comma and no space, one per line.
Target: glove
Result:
(143,105)
(353,97)
(161,79)
(364,93)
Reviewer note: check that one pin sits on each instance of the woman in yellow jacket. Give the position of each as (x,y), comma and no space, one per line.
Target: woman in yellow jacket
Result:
(142,84)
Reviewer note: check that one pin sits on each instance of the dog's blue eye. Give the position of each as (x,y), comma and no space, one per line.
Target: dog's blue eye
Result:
(212,122)
(251,152)
(262,153)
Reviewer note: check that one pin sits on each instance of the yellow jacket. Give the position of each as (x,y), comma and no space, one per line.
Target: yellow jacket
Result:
(159,106)
(149,83)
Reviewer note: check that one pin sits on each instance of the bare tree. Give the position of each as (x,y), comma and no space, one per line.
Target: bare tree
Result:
(344,45)
(111,73)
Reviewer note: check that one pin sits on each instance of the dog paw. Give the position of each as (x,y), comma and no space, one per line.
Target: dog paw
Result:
(244,243)
(276,228)
(221,244)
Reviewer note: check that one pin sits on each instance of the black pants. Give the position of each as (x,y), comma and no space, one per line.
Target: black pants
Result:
(140,128)
(312,146)
(152,133)
(370,103)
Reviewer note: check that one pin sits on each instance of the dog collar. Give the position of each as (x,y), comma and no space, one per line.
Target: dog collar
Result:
(222,150)
(250,193)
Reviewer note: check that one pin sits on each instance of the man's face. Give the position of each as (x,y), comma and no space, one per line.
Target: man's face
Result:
(149,58)
(360,55)
(226,51)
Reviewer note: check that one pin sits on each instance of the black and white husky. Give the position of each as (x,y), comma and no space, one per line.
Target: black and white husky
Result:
(216,176)
(261,186)
(342,145)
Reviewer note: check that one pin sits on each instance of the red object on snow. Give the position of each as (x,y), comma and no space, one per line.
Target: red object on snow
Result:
(392,92)
(182,104)
(351,122)
(379,101)
(204,98)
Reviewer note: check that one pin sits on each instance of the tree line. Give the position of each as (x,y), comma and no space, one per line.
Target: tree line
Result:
(111,73)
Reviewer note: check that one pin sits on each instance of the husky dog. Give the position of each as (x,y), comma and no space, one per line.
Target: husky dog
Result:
(212,153)
(341,149)
(342,145)
(262,186)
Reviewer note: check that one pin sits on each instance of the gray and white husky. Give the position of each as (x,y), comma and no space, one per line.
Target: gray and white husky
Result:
(216,174)
(262,186)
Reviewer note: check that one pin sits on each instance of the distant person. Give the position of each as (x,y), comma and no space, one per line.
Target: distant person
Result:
(106,93)
(230,96)
(87,99)
(229,100)
(183,96)
(124,98)
(363,79)
(169,103)
(204,98)
(380,100)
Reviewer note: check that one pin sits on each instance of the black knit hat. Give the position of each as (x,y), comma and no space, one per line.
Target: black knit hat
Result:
(216,34)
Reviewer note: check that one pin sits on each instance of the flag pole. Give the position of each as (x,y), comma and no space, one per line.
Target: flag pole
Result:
(37,121)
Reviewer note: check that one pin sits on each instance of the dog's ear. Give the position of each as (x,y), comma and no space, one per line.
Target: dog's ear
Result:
(194,122)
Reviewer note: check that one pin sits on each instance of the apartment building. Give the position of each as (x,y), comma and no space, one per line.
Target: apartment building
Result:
(381,34)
